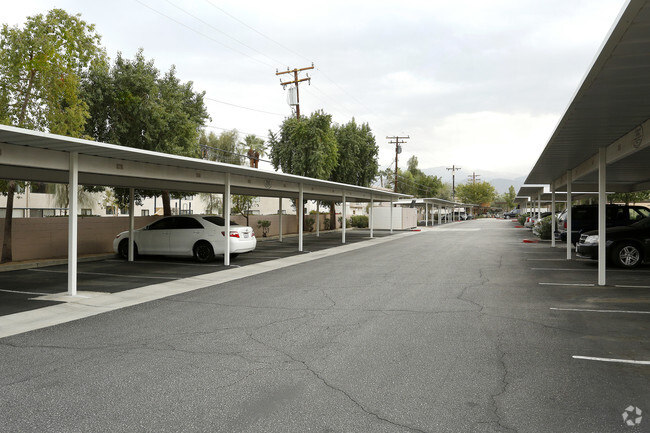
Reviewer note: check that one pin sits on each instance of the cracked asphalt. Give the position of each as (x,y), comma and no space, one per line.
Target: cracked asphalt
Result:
(447,330)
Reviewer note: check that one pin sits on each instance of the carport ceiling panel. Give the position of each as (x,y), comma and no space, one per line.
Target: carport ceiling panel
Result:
(613,99)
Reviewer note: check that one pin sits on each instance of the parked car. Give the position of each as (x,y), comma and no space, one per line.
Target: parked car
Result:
(627,247)
(512,214)
(584,218)
(189,235)
(534,218)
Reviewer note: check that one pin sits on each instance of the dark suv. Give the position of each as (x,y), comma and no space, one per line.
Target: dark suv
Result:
(584,218)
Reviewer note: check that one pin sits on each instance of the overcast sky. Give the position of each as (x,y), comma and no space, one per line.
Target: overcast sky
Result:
(479,84)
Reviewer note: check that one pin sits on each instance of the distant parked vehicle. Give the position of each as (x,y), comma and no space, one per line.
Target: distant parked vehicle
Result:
(584,218)
(533,218)
(190,235)
(626,247)
(512,214)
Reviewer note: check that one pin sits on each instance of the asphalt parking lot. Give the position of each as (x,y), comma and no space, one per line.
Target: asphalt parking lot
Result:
(24,290)
(458,328)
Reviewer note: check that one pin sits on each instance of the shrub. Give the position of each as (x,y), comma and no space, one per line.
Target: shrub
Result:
(522,219)
(543,228)
(264,224)
(347,222)
(360,221)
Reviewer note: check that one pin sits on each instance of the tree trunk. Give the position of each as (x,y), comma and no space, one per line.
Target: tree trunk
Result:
(6,240)
(167,207)
(332,216)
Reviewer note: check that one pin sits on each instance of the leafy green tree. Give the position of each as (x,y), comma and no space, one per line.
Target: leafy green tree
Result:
(415,182)
(41,67)
(357,154)
(305,147)
(509,197)
(132,105)
(476,193)
(629,197)
(224,147)
(242,205)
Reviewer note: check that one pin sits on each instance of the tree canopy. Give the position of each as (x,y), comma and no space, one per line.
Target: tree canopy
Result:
(414,181)
(41,67)
(357,154)
(305,147)
(476,193)
(132,105)
(509,197)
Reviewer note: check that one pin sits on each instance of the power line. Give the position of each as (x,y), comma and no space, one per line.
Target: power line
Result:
(257,31)
(224,33)
(245,108)
(204,35)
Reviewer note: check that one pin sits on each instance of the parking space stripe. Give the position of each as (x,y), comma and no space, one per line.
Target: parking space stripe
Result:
(622,361)
(24,293)
(631,287)
(567,284)
(168,263)
(106,274)
(586,310)
(546,260)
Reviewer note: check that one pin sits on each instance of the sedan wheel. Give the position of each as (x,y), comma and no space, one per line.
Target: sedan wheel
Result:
(123,249)
(627,256)
(203,252)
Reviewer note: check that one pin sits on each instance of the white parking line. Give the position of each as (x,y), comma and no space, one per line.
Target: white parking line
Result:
(636,271)
(586,310)
(546,260)
(631,287)
(622,361)
(567,284)
(168,263)
(24,293)
(106,274)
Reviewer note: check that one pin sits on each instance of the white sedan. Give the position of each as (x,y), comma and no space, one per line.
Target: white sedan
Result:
(188,235)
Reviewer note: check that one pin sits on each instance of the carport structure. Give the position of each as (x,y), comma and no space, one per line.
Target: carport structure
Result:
(42,157)
(602,143)
(433,202)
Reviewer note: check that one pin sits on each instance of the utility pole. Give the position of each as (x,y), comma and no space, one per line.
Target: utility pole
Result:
(295,81)
(453,169)
(474,177)
(398,141)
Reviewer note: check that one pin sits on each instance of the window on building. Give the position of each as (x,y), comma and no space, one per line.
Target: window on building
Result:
(86,212)
(144,212)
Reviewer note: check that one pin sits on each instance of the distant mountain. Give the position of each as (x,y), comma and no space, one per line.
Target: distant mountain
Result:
(500,180)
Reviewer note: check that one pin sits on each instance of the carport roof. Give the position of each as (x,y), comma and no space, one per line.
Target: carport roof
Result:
(433,201)
(39,156)
(611,109)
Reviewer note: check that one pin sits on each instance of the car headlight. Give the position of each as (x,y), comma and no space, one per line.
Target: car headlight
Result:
(592,239)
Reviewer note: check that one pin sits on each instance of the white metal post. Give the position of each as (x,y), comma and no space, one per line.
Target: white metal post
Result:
(226,217)
(539,206)
(426,214)
(569,205)
(602,206)
(552,216)
(391,214)
(73,185)
(439,214)
(343,220)
(317,218)
(371,222)
(280,218)
(131,224)
(300,211)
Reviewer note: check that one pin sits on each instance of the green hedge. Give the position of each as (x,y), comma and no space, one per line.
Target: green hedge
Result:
(360,221)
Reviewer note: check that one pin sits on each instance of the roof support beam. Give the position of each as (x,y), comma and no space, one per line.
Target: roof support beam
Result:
(73,186)
(632,142)
(602,206)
